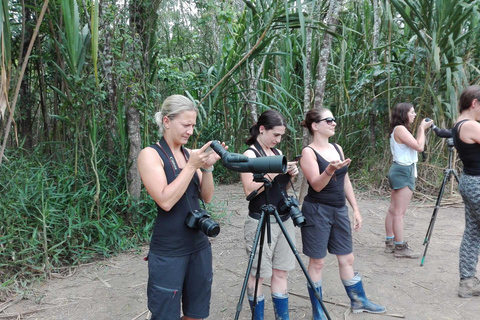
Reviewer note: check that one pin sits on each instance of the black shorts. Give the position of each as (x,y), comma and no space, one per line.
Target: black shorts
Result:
(186,279)
(327,228)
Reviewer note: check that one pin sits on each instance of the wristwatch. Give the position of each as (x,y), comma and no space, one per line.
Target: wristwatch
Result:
(207,170)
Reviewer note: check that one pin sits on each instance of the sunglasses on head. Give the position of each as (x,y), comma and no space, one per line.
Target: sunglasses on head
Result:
(328,120)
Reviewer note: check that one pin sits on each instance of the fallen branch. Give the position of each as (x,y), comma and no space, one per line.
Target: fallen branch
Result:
(19,315)
(108,285)
(141,314)
(9,303)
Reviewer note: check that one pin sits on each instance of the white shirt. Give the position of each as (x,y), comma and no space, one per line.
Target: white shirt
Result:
(403,154)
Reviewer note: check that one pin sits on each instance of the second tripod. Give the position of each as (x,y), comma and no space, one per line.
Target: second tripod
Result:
(446,177)
(268,210)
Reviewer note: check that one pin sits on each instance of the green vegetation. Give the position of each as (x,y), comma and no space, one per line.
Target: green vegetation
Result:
(79,92)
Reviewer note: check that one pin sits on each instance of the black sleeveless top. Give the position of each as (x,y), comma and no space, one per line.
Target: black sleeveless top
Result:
(279,184)
(171,236)
(333,194)
(469,153)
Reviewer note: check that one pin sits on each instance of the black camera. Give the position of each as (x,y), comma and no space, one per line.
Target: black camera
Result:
(200,219)
(289,205)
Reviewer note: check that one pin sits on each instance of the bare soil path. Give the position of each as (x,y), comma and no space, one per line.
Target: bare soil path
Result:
(116,288)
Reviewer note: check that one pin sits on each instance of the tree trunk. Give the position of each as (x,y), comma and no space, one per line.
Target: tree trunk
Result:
(376,37)
(133,177)
(108,79)
(25,122)
(307,102)
(331,20)
(252,93)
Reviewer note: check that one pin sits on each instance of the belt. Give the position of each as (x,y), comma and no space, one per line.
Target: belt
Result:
(257,216)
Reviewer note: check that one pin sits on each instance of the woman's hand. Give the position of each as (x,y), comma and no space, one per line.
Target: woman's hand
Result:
(426,124)
(357,220)
(211,156)
(202,157)
(336,164)
(292,168)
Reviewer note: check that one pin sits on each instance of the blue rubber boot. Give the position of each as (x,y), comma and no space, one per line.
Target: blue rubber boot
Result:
(317,310)
(280,306)
(259,308)
(359,301)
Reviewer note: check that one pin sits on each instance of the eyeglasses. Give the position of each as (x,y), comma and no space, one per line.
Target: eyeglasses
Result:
(328,120)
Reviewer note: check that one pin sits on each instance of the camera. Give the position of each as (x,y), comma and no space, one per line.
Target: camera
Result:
(241,163)
(200,219)
(289,205)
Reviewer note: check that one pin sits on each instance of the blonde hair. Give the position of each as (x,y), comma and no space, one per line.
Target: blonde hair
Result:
(172,107)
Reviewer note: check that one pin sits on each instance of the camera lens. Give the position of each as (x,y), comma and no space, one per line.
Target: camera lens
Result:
(209,227)
(297,217)
(289,206)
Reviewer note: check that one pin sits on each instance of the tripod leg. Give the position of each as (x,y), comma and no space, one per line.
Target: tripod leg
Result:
(300,262)
(456,176)
(259,236)
(426,241)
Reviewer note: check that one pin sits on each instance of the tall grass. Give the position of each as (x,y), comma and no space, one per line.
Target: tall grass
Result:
(46,217)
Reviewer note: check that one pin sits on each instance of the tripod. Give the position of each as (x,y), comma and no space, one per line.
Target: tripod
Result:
(264,224)
(446,177)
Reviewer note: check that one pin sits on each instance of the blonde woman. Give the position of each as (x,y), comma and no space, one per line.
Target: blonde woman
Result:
(180,257)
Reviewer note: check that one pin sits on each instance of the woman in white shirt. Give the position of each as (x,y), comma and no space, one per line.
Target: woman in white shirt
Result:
(402,175)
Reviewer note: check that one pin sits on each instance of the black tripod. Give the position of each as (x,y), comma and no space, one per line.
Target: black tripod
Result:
(446,177)
(264,223)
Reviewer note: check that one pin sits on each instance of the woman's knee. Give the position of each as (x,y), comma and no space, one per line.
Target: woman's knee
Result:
(346,260)
(279,275)
(317,264)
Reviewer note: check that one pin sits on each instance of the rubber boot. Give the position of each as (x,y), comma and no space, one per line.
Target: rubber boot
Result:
(280,306)
(359,301)
(317,310)
(260,307)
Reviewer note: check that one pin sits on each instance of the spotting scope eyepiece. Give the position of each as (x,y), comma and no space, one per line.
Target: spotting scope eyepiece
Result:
(241,163)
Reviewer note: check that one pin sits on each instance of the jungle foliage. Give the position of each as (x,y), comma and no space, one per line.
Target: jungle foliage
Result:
(82,79)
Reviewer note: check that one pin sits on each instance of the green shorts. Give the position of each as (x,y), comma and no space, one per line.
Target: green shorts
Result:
(402,176)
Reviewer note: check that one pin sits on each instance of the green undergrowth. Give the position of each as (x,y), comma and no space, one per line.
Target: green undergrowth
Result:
(50,220)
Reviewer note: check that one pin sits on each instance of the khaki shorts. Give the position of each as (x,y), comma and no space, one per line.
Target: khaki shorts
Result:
(279,256)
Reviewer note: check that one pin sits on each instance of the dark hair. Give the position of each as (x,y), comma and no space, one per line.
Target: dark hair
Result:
(400,116)
(269,119)
(469,94)
(313,115)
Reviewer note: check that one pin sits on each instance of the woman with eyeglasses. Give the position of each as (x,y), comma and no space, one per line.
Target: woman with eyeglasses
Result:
(466,138)
(277,258)
(402,175)
(324,207)
(180,257)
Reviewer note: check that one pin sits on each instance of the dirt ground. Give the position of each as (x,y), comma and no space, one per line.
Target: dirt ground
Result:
(116,288)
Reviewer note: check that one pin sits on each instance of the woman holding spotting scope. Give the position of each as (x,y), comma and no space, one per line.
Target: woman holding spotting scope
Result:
(466,138)
(325,210)
(180,256)
(402,175)
(277,259)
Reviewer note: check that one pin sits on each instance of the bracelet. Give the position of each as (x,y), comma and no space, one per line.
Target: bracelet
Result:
(329,174)
(207,170)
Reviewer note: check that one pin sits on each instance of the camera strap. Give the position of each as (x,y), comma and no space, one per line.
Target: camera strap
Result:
(176,170)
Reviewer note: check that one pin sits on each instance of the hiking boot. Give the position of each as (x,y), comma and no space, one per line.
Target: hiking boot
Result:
(469,287)
(402,250)
(389,246)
